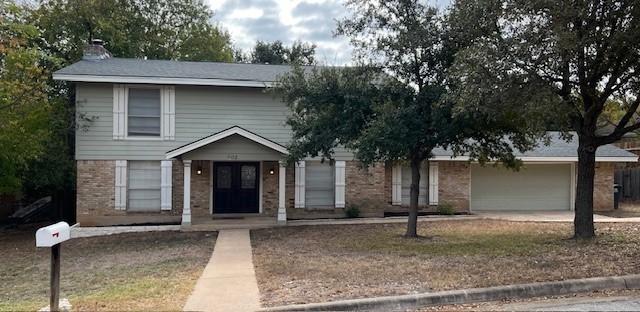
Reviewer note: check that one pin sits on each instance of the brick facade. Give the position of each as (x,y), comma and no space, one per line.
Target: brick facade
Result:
(270,191)
(603,187)
(454,184)
(369,189)
(366,188)
(96,188)
(200,188)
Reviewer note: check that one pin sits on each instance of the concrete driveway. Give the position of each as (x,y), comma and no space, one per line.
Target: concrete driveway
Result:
(544,216)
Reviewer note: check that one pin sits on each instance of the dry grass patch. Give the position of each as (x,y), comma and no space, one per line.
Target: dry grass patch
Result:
(326,263)
(134,271)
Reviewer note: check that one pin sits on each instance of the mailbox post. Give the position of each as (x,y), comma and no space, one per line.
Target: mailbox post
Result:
(52,236)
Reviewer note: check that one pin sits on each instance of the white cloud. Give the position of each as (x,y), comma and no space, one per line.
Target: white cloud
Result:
(287,20)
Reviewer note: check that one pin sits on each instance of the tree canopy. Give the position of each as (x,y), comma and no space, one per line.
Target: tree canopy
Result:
(572,59)
(277,53)
(158,29)
(396,107)
(24,102)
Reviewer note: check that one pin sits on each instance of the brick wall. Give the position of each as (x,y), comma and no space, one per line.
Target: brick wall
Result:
(603,187)
(200,188)
(366,188)
(270,192)
(96,195)
(454,178)
(96,188)
(177,186)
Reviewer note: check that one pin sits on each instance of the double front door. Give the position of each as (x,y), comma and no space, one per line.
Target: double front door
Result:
(235,187)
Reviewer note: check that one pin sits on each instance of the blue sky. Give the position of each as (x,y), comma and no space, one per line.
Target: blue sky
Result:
(288,21)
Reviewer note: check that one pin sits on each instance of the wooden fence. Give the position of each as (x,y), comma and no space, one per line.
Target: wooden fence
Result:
(629,182)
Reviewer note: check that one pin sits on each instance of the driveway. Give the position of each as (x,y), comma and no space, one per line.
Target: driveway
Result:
(544,216)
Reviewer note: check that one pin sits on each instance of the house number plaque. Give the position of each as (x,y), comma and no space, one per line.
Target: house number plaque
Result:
(232,156)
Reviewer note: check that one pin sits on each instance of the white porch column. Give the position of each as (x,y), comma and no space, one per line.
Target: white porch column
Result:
(282,208)
(186,210)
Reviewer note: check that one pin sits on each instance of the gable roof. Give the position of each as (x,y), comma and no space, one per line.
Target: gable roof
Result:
(122,70)
(558,150)
(224,134)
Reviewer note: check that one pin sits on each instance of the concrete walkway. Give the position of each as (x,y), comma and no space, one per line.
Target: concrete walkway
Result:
(79,232)
(228,282)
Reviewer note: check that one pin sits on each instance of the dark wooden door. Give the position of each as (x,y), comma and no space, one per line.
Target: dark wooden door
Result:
(235,188)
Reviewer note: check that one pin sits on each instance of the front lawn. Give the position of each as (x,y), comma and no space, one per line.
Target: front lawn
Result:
(326,263)
(133,271)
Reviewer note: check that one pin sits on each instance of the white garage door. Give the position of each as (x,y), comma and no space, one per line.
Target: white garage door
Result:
(534,187)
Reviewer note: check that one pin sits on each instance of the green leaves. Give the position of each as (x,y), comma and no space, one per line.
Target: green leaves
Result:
(159,29)
(299,53)
(24,102)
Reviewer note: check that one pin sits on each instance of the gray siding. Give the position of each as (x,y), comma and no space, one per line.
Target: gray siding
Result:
(234,148)
(200,112)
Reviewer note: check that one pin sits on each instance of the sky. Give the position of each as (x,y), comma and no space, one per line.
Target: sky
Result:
(287,20)
(310,21)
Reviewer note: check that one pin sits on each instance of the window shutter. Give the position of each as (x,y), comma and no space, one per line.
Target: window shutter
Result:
(299,184)
(340,183)
(119,104)
(121,185)
(433,183)
(396,185)
(169,114)
(165,184)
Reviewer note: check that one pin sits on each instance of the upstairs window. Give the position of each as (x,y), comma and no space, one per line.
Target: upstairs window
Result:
(144,113)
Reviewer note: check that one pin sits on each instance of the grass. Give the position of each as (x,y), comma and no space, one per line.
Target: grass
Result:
(325,263)
(132,271)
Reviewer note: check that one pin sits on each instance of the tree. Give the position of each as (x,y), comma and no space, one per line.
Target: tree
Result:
(276,52)
(579,55)
(395,109)
(37,117)
(159,29)
(24,102)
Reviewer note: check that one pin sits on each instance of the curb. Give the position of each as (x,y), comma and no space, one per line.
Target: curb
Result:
(405,302)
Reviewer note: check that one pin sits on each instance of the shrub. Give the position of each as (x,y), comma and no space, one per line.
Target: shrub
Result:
(446,209)
(352,211)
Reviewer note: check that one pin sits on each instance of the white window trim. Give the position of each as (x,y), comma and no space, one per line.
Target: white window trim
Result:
(340,184)
(432,187)
(121,185)
(166,170)
(119,103)
(396,185)
(299,201)
(433,183)
(121,112)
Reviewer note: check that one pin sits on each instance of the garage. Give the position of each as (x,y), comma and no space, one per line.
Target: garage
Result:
(535,187)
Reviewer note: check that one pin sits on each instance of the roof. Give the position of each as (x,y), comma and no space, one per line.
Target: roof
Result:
(122,70)
(558,150)
(223,134)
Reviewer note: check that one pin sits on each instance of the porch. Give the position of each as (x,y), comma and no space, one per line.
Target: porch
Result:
(232,178)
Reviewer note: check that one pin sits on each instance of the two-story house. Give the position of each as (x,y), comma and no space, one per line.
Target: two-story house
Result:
(169,141)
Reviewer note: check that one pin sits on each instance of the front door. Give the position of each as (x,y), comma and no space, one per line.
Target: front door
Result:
(235,188)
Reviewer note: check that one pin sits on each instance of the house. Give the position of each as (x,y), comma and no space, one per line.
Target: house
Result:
(168,141)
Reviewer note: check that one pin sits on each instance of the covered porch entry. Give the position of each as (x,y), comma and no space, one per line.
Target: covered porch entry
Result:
(232,173)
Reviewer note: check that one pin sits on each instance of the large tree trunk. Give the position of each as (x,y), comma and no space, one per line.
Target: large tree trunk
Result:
(583,222)
(414,191)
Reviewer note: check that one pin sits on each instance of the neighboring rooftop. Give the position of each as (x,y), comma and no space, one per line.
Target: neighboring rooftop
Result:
(560,150)
(121,70)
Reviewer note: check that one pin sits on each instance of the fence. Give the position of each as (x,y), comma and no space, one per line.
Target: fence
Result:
(629,182)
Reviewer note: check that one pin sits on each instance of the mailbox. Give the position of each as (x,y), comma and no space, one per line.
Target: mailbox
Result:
(53,234)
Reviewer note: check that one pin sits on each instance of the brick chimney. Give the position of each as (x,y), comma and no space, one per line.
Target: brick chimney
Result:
(95,51)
